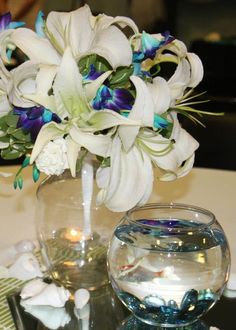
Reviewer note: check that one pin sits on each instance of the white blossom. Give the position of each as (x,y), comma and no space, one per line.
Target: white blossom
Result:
(53,158)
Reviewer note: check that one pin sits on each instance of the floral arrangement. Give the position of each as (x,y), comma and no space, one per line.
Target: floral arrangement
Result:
(84,85)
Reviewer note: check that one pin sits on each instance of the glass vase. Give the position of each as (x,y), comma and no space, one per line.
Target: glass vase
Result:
(168,263)
(73,231)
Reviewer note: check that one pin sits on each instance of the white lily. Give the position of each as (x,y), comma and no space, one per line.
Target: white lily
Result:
(125,185)
(142,112)
(5,85)
(85,34)
(81,123)
(127,181)
(196,69)
(180,80)
(23,83)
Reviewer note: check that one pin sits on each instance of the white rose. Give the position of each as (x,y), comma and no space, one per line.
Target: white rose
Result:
(53,158)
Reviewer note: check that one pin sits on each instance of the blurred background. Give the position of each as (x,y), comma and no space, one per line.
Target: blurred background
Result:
(208,27)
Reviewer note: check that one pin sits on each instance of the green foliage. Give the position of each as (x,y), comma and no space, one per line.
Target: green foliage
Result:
(120,78)
(100,64)
(19,143)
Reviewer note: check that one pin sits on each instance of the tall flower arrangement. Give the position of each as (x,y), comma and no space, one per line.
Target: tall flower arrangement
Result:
(85,85)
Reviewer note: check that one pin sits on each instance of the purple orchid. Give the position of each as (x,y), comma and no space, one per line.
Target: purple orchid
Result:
(6,23)
(113,99)
(32,119)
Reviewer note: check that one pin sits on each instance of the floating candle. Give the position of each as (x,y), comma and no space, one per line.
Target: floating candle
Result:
(74,235)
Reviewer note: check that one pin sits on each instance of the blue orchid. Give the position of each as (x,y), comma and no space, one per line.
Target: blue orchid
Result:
(93,74)
(6,23)
(40,24)
(150,44)
(158,122)
(113,99)
(32,119)
(138,57)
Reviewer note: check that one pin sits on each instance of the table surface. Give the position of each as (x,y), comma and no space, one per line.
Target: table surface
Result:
(212,189)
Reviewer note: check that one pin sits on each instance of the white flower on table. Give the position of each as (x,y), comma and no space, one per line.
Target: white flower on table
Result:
(53,157)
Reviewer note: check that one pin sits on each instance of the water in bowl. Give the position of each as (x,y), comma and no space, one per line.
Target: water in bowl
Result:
(168,276)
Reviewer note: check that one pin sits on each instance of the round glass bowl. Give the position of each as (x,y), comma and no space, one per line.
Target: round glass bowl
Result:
(168,263)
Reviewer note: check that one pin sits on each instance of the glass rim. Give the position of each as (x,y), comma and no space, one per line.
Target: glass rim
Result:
(176,206)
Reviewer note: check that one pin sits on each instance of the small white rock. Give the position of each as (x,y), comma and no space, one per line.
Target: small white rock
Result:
(81,297)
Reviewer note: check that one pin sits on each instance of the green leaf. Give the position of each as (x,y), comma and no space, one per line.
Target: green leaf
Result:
(3,125)
(10,153)
(120,77)
(19,147)
(11,120)
(5,139)
(20,135)
(85,62)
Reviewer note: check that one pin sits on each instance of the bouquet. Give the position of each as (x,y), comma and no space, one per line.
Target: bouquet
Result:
(95,84)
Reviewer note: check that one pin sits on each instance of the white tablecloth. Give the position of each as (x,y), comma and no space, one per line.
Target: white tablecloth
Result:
(212,189)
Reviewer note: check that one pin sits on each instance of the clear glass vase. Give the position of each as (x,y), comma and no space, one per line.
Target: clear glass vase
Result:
(73,231)
(168,263)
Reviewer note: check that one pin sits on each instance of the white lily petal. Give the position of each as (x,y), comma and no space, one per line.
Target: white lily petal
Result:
(92,88)
(196,69)
(69,93)
(149,178)
(142,110)
(113,45)
(103,21)
(113,180)
(168,176)
(128,135)
(160,92)
(38,49)
(103,119)
(77,26)
(102,177)
(5,75)
(47,133)
(73,149)
(183,148)
(23,83)
(128,183)
(44,81)
(181,171)
(177,47)
(96,144)
(5,40)
(180,80)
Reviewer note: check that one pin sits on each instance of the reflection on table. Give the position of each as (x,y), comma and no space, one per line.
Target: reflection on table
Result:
(106,312)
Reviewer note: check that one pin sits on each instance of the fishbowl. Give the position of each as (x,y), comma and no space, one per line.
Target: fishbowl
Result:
(168,263)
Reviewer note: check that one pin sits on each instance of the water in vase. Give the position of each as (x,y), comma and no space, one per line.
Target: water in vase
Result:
(167,279)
